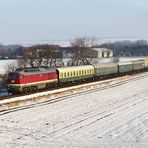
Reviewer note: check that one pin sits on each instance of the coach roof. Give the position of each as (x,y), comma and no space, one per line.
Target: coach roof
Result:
(74,68)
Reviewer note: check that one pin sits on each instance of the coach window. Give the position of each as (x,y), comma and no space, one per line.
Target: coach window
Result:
(79,72)
(61,75)
(64,74)
(68,74)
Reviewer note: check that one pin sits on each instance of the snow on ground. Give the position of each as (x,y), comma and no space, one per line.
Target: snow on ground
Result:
(121,59)
(125,59)
(4,64)
(112,117)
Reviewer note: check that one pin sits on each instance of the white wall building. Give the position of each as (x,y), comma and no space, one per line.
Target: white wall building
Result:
(102,53)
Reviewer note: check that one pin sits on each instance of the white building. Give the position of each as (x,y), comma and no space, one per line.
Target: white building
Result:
(101,53)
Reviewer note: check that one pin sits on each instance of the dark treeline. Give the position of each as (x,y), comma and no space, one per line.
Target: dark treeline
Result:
(11,51)
(120,48)
(128,48)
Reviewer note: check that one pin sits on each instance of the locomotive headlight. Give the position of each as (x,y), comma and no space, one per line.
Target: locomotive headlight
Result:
(12,81)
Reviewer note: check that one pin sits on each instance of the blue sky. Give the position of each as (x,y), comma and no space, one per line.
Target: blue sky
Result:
(33,21)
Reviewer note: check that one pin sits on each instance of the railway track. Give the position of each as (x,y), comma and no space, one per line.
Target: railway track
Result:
(61,97)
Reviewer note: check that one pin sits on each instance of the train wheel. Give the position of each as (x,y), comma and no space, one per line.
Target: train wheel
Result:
(25,90)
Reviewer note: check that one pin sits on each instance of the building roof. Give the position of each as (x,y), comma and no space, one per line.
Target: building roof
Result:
(101,49)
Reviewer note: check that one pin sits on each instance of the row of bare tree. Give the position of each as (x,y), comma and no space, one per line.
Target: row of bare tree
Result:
(40,55)
(50,55)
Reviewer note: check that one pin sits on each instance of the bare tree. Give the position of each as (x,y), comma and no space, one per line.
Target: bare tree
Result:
(11,67)
(41,55)
(3,80)
(8,68)
(81,51)
(108,52)
(115,59)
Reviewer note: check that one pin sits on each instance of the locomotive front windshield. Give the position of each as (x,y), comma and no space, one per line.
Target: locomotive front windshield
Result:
(13,76)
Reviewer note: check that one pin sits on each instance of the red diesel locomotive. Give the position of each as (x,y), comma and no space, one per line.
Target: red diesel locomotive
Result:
(31,79)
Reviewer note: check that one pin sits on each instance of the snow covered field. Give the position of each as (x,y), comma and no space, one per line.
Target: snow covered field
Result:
(113,117)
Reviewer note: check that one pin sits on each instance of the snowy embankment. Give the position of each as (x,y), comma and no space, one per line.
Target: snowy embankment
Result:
(110,117)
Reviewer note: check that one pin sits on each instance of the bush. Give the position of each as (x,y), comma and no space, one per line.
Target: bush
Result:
(3,81)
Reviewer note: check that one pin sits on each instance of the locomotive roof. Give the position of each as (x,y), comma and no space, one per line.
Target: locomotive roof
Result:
(34,70)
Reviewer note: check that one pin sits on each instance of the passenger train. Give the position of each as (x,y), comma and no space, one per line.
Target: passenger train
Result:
(24,80)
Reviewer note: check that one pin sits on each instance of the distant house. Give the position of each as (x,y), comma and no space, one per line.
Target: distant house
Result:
(101,53)
(93,52)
